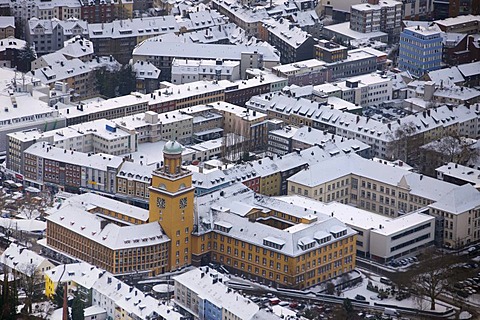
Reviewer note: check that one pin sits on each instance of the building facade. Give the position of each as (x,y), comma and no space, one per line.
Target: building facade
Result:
(420,50)
(172,203)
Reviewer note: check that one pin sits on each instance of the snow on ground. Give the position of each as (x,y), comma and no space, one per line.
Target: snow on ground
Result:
(412,302)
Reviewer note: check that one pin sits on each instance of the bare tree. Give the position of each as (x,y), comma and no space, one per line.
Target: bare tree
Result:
(452,148)
(405,143)
(431,277)
(31,281)
(34,205)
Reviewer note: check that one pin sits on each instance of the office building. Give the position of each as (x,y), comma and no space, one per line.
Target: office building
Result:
(420,50)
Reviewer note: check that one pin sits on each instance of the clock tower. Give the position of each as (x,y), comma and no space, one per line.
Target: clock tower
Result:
(171,204)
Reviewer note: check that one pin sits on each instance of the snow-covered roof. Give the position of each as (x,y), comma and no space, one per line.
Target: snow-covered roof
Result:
(111,235)
(200,51)
(358,218)
(71,26)
(353,164)
(136,171)
(424,30)
(216,207)
(459,200)
(6,22)
(138,27)
(461,19)
(60,69)
(11,43)
(460,172)
(210,285)
(287,32)
(77,47)
(300,67)
(469,69)
(27,225)
(92,201)
(82,273)
(145,70)
(20,258)
(132,300)
(344,30)
(97,161)
(93,107)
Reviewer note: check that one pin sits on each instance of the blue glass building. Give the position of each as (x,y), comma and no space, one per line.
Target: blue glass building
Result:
(420,50)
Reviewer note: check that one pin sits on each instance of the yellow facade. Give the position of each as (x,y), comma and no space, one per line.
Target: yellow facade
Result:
(270,266)
(271,185)
(171,204)
(50,287)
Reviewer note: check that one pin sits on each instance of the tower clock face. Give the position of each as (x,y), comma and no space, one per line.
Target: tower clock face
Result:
(183,203)
(161,203)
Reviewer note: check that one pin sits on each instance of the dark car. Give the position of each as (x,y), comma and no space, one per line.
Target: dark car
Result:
(360,297)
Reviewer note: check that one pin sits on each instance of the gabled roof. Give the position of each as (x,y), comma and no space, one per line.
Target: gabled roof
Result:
(19,258)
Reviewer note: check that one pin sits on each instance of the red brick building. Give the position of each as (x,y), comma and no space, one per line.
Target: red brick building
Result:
(97,11)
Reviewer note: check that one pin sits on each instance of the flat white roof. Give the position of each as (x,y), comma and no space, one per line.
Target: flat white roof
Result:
(344,29)
(359,218)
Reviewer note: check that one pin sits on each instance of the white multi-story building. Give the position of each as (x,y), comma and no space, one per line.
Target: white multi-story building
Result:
(378,237)
(374,16)
(59,9)
(431,124)
(393,191)
(185,71)
(364,90)
(21,108)
(24,10)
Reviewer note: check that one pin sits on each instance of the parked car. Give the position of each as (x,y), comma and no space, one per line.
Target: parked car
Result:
(360,297)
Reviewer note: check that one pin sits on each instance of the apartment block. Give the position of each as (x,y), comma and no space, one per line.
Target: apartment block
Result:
(185,71)
(46,166)
(97,11)
(49,35)
(105,109)
(240,91)
(374,16)
(244,123)
(294,43)
(203,293)
(357,62)
(162,56)
(118,38)
(9,51)
(288,139)
(298,112)
(303,73)
(365,90)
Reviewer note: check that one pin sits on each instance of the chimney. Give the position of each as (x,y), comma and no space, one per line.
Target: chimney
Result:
(65,306)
